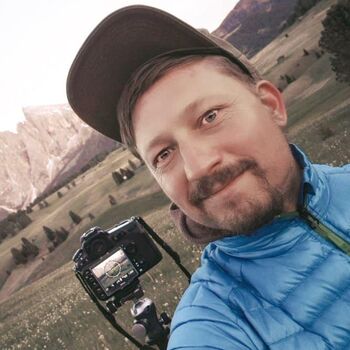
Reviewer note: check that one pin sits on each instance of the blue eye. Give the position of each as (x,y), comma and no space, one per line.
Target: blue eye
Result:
(210,116)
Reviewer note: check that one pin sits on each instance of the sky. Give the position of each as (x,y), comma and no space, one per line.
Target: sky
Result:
(40,38)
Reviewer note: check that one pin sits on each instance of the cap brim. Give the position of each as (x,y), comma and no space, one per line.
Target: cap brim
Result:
(120,44)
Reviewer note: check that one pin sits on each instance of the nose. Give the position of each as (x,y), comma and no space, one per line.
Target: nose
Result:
(199,159)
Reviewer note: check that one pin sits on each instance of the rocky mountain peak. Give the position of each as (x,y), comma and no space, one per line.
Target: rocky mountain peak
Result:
(50,144)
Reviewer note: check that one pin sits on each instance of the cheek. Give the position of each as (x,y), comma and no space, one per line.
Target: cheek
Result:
(173,185)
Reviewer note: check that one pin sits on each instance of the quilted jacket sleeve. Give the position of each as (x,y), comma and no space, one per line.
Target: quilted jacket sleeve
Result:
(199,327)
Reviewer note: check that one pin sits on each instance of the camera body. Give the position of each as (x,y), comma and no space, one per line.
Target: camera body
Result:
(110,262)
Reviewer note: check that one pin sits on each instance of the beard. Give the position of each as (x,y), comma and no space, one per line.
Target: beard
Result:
(242,214)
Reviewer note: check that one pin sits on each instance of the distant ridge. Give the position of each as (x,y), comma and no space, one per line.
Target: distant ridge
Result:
(252,24)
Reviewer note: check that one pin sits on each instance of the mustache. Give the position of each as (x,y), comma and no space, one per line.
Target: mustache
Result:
(205,186)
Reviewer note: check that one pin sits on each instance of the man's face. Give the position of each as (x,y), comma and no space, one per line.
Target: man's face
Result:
(216,148)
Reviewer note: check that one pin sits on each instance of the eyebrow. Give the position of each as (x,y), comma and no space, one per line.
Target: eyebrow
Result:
(194,106)
(154,142)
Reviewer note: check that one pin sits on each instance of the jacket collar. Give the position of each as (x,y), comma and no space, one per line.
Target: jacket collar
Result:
(314,191)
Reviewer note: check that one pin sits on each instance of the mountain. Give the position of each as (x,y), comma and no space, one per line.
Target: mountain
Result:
(51,144)
(252,24)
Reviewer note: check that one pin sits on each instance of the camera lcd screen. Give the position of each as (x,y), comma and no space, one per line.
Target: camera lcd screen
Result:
(117,269)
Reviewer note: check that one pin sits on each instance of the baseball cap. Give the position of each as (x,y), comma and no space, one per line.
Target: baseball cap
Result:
(118,46)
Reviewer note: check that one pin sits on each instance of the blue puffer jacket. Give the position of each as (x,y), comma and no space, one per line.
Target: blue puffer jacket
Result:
(283,288)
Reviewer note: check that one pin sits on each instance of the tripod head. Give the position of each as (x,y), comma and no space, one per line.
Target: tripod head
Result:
(147,326)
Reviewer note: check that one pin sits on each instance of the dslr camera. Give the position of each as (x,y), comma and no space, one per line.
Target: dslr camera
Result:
(110,262)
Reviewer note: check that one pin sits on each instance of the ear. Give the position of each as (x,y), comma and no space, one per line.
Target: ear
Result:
(272,99)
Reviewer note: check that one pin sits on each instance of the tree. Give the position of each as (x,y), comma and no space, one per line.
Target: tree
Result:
(335,38)
(50,234)
(18,257)
(23,219)
(29,249)
(317,54)
(7,228)
(117,177)
(132,164)
(91,216)
(75,217)
(112,200)
(61,236)
(129,173)
(64,230)
(123,174)
(289,79)
(59,194)
(3,235)
(139,158)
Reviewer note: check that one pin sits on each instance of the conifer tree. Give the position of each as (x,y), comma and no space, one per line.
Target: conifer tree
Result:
(75,217)
(22,219)
(18,257)
(118,179)
(132,164)
(60,236)
(64,230)
(123,174)
(29,249)
(112,200)
(129,173)
(50,234)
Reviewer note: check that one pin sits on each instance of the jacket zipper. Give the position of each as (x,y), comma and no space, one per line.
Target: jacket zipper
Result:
(325,232)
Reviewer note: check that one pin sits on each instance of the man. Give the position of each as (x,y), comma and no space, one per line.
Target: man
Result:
(276,271)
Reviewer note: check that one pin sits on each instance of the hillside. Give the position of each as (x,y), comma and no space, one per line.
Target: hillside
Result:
(318,105)
(252,24)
